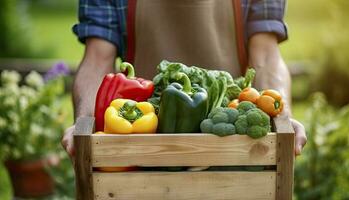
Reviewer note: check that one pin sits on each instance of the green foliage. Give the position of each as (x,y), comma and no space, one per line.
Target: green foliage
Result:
(5,184)
(322,170)
(15,32)
(213,81)
(31,115)
(245,81)
(64,179)
(51,23)
(240,83)
(333,77)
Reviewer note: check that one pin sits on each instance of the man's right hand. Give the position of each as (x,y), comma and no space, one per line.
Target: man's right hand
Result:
(68,141)
(98,61)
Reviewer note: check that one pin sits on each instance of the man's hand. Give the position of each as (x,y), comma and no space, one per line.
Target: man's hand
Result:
(98,60)
(301,138)
(68,142)
(272,73)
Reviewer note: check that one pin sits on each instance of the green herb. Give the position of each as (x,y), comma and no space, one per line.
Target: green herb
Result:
(220,85)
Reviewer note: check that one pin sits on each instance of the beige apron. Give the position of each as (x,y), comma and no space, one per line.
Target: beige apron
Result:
(194,32)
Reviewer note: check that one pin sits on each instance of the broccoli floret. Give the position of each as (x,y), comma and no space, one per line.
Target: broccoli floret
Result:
(232,113)
(257,131)
(257,117)
(241,125)
(220,117)
(223,129)
(245,106)
(221,122)
(215,111)
(255,123)
(206,126)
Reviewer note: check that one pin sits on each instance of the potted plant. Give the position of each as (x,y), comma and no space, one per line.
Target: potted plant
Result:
(30,130)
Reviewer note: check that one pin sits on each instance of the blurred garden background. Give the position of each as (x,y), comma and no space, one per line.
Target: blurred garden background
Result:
(36,35)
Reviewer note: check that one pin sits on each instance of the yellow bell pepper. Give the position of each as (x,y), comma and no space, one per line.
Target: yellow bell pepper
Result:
(125,116)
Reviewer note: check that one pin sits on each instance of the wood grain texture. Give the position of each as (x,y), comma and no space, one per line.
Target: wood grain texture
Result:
(182,150)
(83,168)
(185,185)
(285,157)
(84,126)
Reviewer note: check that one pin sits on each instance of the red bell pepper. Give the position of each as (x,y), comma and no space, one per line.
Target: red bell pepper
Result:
(119,85)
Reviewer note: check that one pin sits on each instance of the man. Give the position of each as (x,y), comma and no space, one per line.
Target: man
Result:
(216,34)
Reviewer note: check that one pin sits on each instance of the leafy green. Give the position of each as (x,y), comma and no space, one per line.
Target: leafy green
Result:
(232,92)
(213,81)
(220,85)
(240,83)
(246,81)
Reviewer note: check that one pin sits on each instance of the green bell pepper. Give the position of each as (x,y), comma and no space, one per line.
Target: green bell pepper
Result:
(182,108)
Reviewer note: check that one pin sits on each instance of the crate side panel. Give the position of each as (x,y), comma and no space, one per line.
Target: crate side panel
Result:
(285,157)
(185,185)
(182,150)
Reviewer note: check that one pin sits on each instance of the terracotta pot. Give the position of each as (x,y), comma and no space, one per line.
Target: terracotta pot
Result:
(30,178)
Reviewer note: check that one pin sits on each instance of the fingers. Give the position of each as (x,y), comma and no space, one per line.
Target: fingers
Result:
(301,138)
(68,142)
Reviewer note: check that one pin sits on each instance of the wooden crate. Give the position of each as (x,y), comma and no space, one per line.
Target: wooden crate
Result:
(100,150)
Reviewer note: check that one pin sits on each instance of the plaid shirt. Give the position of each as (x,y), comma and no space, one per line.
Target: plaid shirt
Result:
(106,19)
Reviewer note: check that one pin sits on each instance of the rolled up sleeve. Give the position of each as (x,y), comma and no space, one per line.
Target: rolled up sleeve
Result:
(267,16)
(97,18)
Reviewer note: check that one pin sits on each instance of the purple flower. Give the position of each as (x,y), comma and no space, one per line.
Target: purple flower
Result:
(58,69)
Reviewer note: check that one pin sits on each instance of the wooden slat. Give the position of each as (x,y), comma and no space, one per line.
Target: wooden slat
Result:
(84,126)
(83,169)
(185,185)
(285,157)
(182,150)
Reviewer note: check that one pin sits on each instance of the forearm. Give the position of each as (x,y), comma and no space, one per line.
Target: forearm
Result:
(272,72)
(98,60)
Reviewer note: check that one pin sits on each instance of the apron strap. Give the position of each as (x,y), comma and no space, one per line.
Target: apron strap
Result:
(239,27)
(240,36)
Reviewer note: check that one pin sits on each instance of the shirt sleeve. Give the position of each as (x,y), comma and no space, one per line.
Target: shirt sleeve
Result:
(267,16)
(97,18)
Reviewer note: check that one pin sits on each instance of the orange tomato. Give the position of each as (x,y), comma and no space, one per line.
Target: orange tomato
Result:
(249,94)
(270,102)
(234,103)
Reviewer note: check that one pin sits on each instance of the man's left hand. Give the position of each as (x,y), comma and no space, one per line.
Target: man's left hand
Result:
(300,137)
